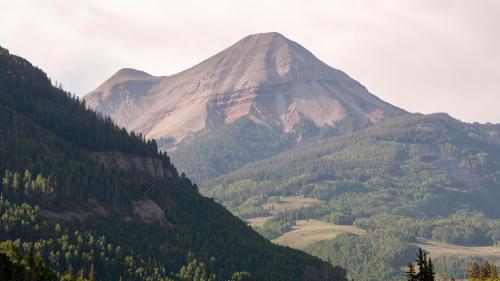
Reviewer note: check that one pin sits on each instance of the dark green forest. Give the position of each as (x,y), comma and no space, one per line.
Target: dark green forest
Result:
(229,147)
(80,218)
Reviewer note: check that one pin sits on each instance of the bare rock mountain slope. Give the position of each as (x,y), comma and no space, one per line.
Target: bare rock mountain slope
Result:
(264,77)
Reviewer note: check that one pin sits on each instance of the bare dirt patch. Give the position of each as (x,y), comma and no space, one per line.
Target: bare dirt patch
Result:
(306,232)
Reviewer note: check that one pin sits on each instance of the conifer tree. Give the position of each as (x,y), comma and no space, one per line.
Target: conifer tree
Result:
(430,271)
(69,275)
(92,273)
(80,276)
(485,271)
(494,274)
(411,275)
(422,265)
(474,271)
(425,268)
(5,180)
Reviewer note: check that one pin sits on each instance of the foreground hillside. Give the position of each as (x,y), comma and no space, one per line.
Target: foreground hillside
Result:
(80,193)
(408,177)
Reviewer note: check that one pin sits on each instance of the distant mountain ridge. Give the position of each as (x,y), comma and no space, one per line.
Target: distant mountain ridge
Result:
(264,77)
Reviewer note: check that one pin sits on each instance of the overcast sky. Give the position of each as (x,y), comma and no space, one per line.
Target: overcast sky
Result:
(422,55)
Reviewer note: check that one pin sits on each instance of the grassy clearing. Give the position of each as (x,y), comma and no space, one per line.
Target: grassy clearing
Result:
(288,203)
(306,232)
(437,249)
(257,222)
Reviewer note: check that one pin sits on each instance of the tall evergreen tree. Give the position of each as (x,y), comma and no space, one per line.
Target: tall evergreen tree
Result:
(485,271)
(474,271)
(69,275)
(422,265)
(494,274)
(80,276)
(425,268)
(430,271)
(92,273)
(411,275)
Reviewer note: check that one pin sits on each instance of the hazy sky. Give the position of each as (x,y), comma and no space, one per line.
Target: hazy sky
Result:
(422,55)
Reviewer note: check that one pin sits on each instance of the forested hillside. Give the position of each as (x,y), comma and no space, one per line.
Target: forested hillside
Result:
(229,147)
(15,266)
(69,202)
(234,145)
(408,177)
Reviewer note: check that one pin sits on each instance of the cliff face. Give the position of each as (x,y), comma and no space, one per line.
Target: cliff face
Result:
(119,161)
(264,77)
(149,212)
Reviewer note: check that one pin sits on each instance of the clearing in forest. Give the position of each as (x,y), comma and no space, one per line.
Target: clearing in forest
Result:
(288,203)
(306,232)
(436,249)
(257,222)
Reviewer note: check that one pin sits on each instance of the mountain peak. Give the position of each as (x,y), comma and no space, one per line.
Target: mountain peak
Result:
(272,34)
(130,73)
(265,77)
(276,53)
(123,75)
(267,37)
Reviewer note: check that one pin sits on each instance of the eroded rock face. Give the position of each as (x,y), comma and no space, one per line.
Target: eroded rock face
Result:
(265,77)
(146,210)
(120,161)
(149,212)
(83,211)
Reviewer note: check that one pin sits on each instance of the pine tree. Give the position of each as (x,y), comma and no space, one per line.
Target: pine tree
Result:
(474,271)
(425,268)
(411,274)
(430,271)
(92,273)
(5,180)
(485,271)
(69,275)
(80,276)
(422,265)
(494,274)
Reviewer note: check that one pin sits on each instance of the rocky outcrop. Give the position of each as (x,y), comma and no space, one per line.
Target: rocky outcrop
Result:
(146,210)
(81,211)
(119,161)
(149,212)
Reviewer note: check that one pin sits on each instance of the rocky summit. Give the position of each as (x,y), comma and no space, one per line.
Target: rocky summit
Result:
(265,77)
